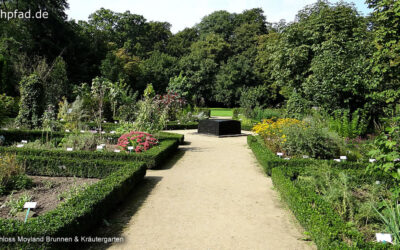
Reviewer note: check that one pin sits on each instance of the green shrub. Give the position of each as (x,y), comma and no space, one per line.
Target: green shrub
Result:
(387,152)
(314,141)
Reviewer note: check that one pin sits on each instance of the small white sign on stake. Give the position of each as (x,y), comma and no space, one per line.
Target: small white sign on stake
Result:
(100,147)
(343,157)
(382,237)
(82,131)
(70,149)
(117,150)
(112,132)
(24,141)
(338,160)
(20,145)
(29,205)
(279,154)
(67,130)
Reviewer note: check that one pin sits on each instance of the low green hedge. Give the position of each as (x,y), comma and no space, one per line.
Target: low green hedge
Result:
(64,166)
(171,136)
(79,214)
(152,157)
(176,126)
(16,135)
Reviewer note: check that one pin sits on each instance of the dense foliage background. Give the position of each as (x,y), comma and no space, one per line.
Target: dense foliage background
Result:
(330,57)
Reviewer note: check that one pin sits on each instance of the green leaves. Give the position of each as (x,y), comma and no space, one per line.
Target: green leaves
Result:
(387,152)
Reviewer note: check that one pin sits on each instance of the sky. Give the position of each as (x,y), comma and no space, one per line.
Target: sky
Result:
(186,13)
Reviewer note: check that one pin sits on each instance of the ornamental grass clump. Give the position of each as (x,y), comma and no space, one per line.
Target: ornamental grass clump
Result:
(140,141)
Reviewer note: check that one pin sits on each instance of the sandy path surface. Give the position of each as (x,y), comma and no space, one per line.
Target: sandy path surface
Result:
(215,196)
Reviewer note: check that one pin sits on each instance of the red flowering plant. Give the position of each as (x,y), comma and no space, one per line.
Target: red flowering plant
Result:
(172,102)
(140,141)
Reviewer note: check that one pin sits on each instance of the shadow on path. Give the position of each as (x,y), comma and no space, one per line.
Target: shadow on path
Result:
(123,213)
(113,225)
(172,161)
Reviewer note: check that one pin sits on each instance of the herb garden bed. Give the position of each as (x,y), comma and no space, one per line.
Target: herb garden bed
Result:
(48,192)
(301,184)
(112,176)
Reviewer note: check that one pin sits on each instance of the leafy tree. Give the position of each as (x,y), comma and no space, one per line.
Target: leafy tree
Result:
(158,69)
(56,85)
(323,56)
(266,63)
(99,92)
(180,85)
(231,78)
(31,108)
(118,93)
(251,98)
(179,44)
(219,22)
(201,65)
(386,59)
(120,65)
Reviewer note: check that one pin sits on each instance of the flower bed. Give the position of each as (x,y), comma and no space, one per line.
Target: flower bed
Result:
(139,141)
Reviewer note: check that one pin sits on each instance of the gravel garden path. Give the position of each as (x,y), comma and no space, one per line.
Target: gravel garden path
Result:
(215,196)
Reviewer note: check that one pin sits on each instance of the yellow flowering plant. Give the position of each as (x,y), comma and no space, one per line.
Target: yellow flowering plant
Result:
(272,131)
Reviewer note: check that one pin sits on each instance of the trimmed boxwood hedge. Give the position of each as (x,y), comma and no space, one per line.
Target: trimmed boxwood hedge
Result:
(327,228)
(175,125)
(79,214)
(13,136)
(67,167)
(152,157)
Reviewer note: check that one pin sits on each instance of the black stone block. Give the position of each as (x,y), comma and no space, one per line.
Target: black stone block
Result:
(219,127)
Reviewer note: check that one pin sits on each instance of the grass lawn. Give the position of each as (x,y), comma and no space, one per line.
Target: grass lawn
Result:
(221,112)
